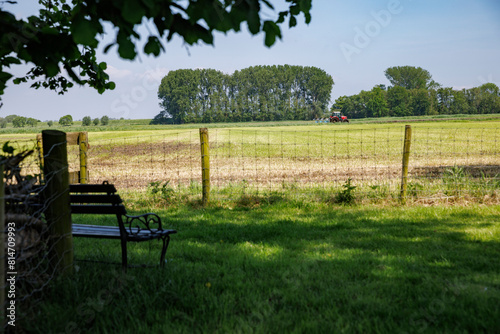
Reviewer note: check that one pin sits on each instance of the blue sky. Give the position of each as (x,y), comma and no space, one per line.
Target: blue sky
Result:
(457,41)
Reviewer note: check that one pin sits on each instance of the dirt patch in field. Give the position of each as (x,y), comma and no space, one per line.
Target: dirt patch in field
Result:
(471,171)
(133,149)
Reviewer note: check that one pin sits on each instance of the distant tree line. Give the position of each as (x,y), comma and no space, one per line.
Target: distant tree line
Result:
(414,93)
(87,121)
(259,93)
(18,121)
(67,120)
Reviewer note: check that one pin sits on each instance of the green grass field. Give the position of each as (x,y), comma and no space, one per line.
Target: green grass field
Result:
(290,266)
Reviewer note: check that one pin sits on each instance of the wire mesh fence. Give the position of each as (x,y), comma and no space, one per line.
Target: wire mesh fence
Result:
(444,162)
(455,163)
(136,162)
(304,162)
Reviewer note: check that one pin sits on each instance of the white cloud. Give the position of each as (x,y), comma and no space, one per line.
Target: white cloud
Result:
(155,74)
(116,73)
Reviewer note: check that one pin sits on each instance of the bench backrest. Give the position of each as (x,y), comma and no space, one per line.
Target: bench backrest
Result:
(95,199)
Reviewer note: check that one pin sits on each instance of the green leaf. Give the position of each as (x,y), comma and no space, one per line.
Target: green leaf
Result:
(126,49)
(308,17)
(109,46)
(268,4)
(295,10)
(153,46)
(133,11)
(51,69)
(11,60)
(293,21)
(281,18)
(103,65)
(84,31)
(4,76)
(272,31)
(253,21)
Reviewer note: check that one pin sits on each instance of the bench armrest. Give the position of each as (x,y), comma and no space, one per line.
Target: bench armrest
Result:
(149,221)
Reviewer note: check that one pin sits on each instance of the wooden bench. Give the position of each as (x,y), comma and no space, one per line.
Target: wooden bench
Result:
(101,199)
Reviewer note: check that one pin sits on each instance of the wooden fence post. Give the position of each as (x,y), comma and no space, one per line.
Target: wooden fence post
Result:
(406,160)
(56,200)
(83,143)
(205,165)
(73,138)
(2,247)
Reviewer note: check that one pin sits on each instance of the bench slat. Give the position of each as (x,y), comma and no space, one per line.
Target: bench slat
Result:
(92,188)
(98,209)
(95,232)
(113,232)
(110,199)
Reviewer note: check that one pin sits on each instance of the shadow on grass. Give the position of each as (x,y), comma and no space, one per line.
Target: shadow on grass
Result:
(283,269)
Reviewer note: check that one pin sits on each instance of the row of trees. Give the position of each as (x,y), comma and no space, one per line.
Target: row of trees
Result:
(414,93)
(18,121)
(259,93)
(21,121)
(87,121)
(399,102)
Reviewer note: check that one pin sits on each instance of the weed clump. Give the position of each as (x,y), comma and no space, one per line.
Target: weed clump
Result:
(346,195)
(161,190)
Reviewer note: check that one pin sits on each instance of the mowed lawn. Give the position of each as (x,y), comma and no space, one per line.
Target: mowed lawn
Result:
(281,266)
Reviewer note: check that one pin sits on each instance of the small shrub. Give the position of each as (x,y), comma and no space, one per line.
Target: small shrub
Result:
(346,196)
(162,190)
(455,180)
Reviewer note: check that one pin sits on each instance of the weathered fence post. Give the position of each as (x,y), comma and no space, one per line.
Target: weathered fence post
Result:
(2,247)
(40,152)
(56,201)
(406,160)
(205,165)
(72,138)
(83,143)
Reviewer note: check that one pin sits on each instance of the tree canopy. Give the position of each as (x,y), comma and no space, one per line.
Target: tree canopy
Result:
(86,121)
(60,42)
(398,101)
(410,77)
(258,93)
(66,120)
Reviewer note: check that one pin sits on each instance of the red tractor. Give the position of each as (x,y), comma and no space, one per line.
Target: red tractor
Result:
(337,117)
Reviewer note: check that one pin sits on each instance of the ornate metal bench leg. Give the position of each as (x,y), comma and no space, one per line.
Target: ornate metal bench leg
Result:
(166,241)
